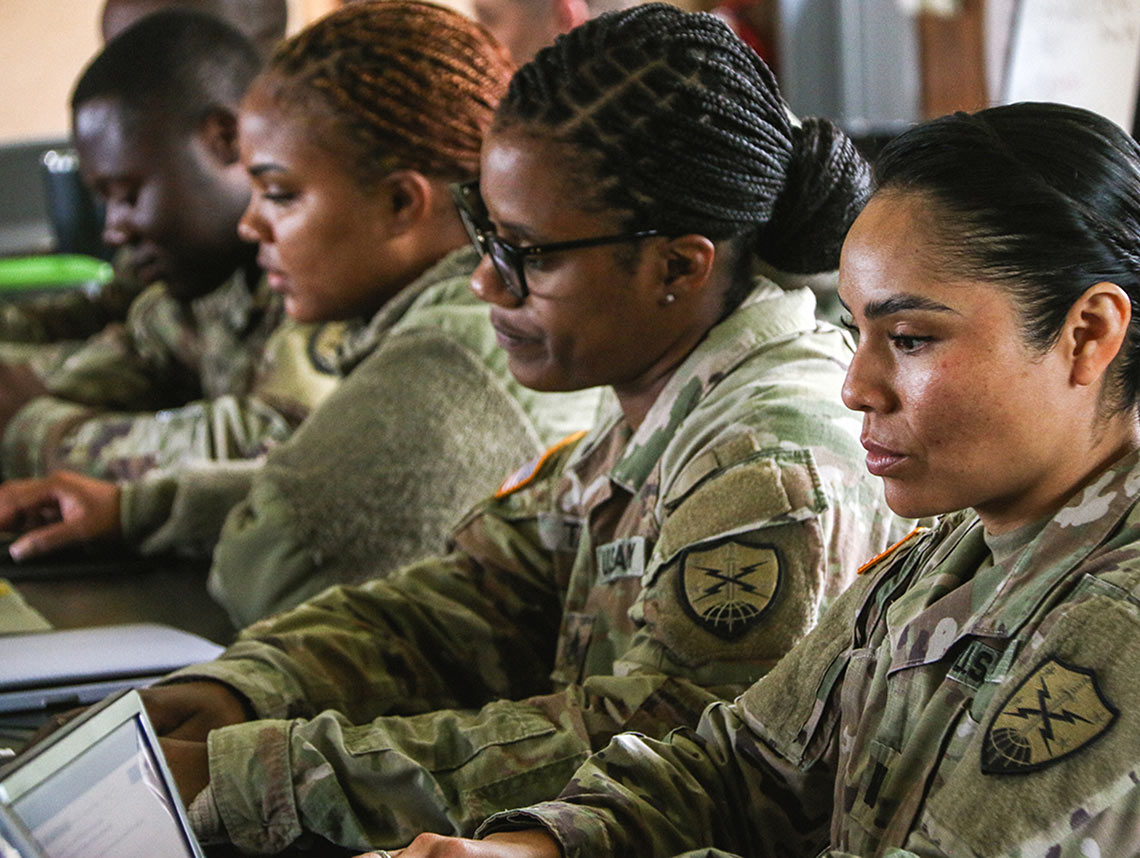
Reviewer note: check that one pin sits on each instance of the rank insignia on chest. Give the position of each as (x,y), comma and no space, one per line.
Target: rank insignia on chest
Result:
(1056,711)
(727,588)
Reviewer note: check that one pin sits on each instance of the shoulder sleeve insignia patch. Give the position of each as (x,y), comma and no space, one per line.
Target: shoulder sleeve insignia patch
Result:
(882,555)
(324,344)
(1055,711)
(527,474)
(727,588)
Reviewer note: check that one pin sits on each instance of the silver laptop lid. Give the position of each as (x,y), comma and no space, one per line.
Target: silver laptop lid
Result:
(15,842)
(99,786)
(78,666)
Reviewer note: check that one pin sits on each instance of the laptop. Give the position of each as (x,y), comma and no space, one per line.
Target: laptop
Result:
(15,842)
(74,667)
(97,786)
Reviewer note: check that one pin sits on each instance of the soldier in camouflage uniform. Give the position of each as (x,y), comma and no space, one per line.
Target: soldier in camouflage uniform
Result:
(624,579)
(972,694)
(68,318)
(193,374)
(428,418)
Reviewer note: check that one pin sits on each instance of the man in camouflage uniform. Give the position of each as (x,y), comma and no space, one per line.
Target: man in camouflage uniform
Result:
(193,374)
(969,695)
(78,314)
(621,581)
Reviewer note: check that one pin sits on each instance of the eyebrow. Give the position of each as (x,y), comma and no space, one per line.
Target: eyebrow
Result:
(901,303)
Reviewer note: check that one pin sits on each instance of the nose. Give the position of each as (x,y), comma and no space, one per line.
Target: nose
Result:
(251,226)
(866,388)
(119,227)
(488,285)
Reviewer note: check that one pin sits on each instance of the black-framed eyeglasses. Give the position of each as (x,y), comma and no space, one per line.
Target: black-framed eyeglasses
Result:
(509,258)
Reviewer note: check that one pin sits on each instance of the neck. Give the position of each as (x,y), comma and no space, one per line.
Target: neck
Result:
(1120,438)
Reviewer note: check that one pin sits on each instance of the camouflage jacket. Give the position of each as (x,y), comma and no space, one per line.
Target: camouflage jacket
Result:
(425,424)
(970,696)
(623,582)
(176,384)
(74,314)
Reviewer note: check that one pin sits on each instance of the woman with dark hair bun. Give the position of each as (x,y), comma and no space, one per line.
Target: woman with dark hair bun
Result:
(624,579)
(975,691)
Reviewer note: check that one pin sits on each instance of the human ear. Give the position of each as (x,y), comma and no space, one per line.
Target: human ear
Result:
(218,132)
(570,14)
(1095,329)
(410,195)
(688,264)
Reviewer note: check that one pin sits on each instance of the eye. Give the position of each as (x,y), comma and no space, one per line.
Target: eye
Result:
(848,324)
(539,262)
(278,196)
(908,344)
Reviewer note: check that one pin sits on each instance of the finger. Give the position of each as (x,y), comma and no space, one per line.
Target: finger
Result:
(22,498)
(45,540)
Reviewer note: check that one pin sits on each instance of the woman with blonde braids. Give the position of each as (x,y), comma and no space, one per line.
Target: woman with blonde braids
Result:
(351,137)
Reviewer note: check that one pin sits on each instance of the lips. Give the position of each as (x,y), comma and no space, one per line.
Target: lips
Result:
(510,336)
(148,268)
(276,278)
(882,461)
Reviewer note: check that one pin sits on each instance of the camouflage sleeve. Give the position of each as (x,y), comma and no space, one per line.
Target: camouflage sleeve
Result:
(183,513)
(72,315)
(739,571)
(125,405)
(447,632)
(49,433)
(756,777)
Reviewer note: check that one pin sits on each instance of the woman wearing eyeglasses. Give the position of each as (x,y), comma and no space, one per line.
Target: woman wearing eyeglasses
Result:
(974,693)
(351,139)
(624,579)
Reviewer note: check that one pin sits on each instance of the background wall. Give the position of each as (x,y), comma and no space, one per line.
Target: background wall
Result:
(44,44)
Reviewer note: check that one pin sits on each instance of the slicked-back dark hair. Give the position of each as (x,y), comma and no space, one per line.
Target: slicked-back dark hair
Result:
(178,62)
(1041,199)
(409,85)
(681,125)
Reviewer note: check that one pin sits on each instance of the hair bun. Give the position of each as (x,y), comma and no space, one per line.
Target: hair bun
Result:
(827,183)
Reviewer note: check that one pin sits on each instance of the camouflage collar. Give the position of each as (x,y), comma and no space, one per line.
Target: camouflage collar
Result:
(237,303)
(366,335)
(1082,526)
(767,316)
(997,600)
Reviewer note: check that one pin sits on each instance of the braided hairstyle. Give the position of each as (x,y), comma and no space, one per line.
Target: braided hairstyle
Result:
(680,125)
(405,84)
(1042,199)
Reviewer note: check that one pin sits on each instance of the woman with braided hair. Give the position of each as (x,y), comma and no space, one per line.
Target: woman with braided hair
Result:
(625,579)
(974,692)
(351,137)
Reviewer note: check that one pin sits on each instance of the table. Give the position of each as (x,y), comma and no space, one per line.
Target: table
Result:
(72,593)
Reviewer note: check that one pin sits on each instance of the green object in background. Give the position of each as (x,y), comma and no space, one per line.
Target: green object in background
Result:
(63,270)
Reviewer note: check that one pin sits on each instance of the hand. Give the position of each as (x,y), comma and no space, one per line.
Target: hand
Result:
(190,710)
(19,385)
(189,762)
(532,843)
(59,510)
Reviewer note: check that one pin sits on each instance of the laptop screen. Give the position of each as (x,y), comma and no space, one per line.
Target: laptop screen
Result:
(99,787)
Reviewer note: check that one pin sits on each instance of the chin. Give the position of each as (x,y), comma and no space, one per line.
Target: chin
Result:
(909,504)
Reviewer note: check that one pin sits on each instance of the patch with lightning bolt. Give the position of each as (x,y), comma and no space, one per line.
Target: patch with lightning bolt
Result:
(1055,711)
(728,587)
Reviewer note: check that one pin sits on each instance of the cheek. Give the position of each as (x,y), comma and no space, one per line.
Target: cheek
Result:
(942,404)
